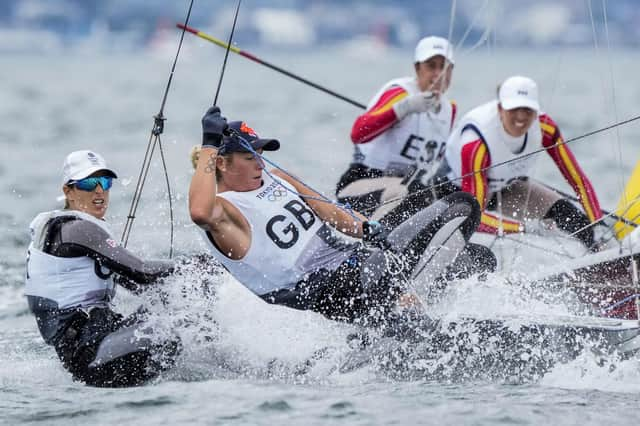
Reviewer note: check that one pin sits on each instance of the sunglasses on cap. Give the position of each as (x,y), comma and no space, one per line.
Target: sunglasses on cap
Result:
(90,183)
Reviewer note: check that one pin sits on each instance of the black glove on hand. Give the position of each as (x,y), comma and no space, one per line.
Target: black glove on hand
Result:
(375,233)
(213,127)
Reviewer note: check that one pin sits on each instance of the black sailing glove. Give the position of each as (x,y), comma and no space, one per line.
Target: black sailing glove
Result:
(213,127)
(375,233)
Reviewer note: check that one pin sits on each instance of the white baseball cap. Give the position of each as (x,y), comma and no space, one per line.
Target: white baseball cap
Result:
(519,92)
(431,46)
(80,164)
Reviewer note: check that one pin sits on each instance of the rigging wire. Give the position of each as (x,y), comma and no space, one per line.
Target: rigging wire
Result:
(605,90)
(538,247)
(452,17)
(450,49)
(604,86)
(154,139)
(321,197)
(470,27)
(347,208)
(555,77)
(613,214)
(634,265)
(596,46)
(614,103)
(521,157)
(484,37)
(226,53)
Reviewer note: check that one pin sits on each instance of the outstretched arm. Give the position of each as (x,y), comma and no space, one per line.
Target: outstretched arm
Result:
(569,167)
(380,117)
(391,107)
(337,217)
(88,239)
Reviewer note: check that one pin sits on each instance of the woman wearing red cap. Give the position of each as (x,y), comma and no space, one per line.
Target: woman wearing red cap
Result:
(276,236)
(502,131)
(405,126)
(72,260)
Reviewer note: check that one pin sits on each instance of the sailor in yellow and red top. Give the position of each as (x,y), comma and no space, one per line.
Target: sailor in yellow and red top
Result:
(403,130)
(500,132)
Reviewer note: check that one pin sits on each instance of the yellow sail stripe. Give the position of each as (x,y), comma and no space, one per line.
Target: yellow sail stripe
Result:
(389,104)
(629,205)
(577,179)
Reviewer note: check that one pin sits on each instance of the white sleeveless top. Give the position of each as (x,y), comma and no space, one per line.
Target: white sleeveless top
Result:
(70,282)
(288,240)
(417,140)
(484,122)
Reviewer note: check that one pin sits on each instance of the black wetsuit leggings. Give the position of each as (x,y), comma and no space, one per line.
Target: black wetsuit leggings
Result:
(571,220)
(367,284)
(338,294)
(79,345)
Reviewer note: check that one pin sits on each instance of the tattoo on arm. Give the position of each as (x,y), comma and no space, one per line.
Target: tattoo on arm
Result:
(211,164)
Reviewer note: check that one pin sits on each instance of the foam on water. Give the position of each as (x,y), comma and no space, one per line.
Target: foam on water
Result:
(589,372)
(228,332)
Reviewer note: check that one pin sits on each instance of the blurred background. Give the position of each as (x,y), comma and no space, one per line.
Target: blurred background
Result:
(108,25)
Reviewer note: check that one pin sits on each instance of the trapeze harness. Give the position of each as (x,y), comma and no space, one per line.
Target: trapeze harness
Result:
(71,262)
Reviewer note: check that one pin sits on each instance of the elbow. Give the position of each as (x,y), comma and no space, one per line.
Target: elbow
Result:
(358,131)
(199,215)
(355,135)
(360,135)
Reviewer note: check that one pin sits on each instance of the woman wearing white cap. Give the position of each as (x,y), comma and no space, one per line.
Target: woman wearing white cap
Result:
(405,127)
(69,284)
(503,130)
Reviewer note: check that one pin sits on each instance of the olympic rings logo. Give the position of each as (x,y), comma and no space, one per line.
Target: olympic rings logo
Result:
(277,194)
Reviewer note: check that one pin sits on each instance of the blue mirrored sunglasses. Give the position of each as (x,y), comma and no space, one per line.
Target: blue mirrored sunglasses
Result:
(90,183)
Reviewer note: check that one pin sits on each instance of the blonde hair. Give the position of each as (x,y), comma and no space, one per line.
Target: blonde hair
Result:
(194,155)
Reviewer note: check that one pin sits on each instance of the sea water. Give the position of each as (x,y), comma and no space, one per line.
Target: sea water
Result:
(245,362)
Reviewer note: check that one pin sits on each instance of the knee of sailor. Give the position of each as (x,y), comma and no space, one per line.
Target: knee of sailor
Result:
(101,352)
(483,259)
(461,197)
(564,209)
(135,367)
